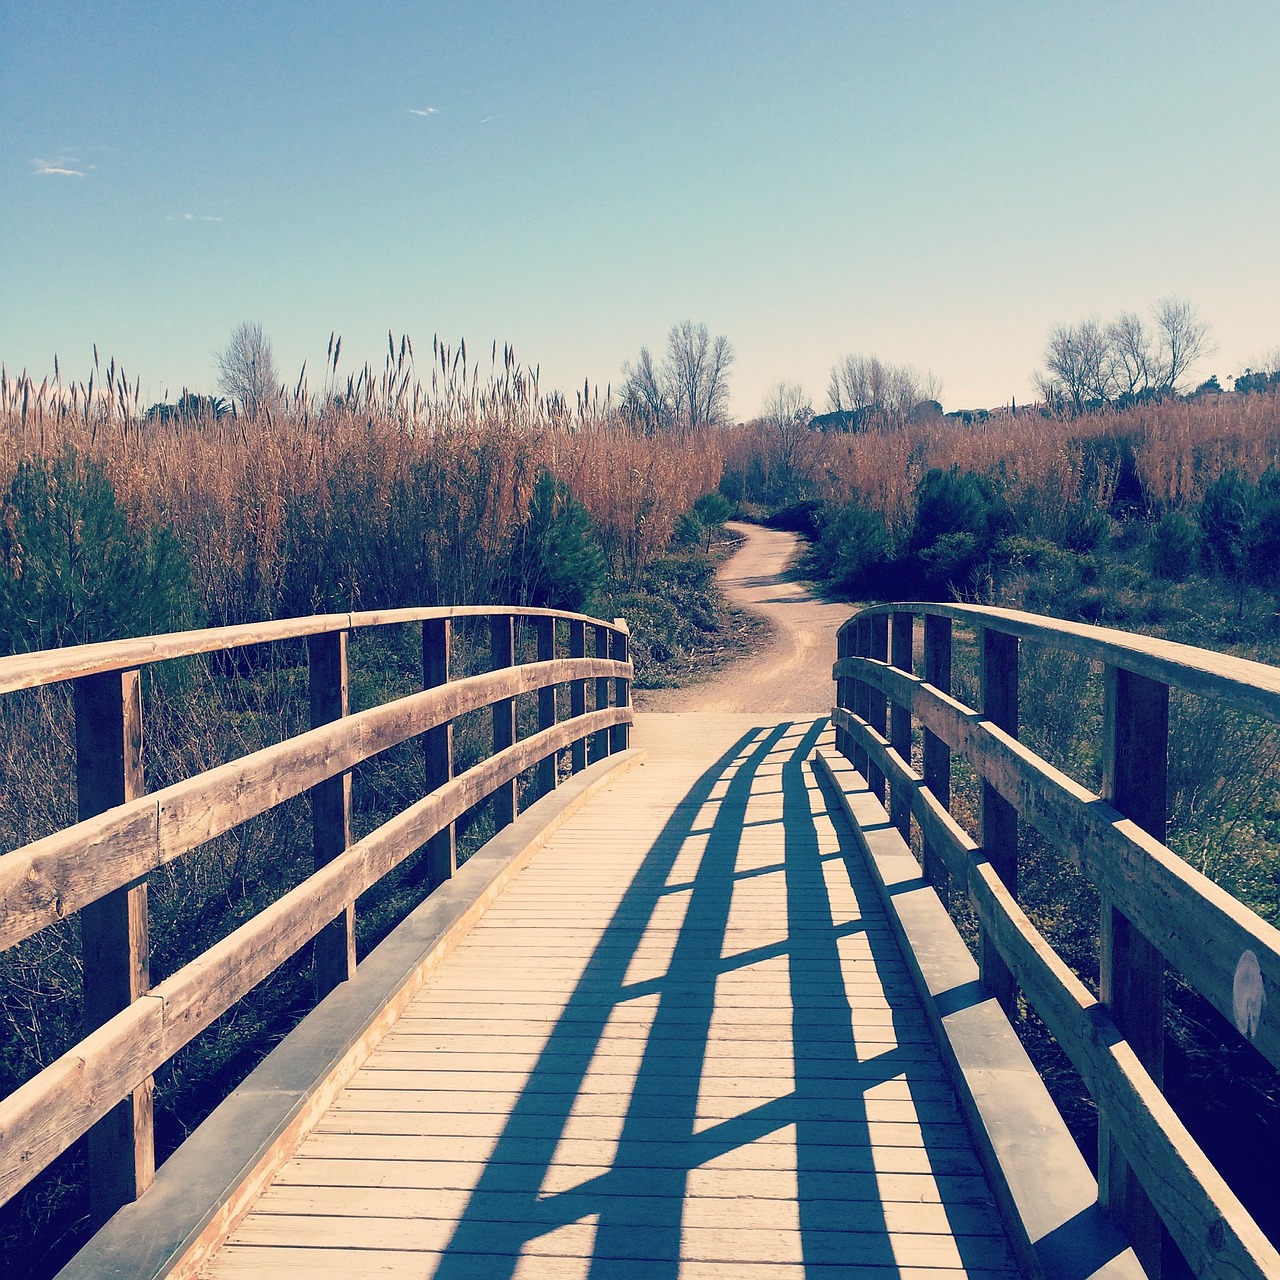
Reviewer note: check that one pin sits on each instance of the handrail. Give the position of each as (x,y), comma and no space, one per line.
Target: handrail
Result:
(1155,906)
(98,866)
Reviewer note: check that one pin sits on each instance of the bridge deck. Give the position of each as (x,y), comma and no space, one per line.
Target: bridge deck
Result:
(683,1043)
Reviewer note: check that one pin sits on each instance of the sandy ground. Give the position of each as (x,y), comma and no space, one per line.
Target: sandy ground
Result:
(792,672)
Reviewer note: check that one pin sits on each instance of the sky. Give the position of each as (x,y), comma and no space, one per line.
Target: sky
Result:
(935,183)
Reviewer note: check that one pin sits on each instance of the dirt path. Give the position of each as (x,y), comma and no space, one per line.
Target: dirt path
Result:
(792,673)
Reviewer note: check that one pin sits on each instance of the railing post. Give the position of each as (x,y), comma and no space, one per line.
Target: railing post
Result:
(335,945)
(1132,971)
(937,755)
(578,693)
(877,705)
(502,653)
(999,817)
(115,948)
(844,688)
(619,642)
(600,739)
(437,746)
(900,722)
(546,630)
(859,695)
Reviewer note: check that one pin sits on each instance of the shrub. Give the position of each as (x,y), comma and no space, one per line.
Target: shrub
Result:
(72,568)
(1173,547)
(959,518)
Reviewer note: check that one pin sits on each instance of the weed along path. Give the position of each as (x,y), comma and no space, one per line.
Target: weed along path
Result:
(792,672)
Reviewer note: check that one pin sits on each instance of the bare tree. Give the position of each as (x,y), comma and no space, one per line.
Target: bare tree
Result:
(644,393)
(1135,361)
(1087,364)
(697,368)
(1184,339)
(879,394)
(247,370)
(1079,362)
(691,385)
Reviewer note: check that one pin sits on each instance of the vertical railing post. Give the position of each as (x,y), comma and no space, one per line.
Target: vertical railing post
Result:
(578,693)
(1132,971)
(437,746)
(115,948)
(999,670)
(335,945)
(877,706)
(502,653)
(844,687)
(937,755)
(859,695)
(600,739)
(619,642)
(900,722)
(546,631)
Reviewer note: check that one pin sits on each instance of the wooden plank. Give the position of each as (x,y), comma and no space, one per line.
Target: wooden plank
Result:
(1172,904)
(115,950)
(49,879)
(902,657)
(578,694)
(855,1111)
(437,746)
(502,653)
(1131,970)
(1250,686)
(52,666)
(600,740)
(335,943)
(999,817)
(937,754)
(1204,1217)
(546,633)
(619,651)
(205,988)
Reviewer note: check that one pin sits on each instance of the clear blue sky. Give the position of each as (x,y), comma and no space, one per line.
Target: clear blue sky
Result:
(937,183)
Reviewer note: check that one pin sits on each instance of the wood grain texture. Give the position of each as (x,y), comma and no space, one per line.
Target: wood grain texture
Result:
(1174,906)
(79,1088)
(681,1040)
(52,666)
(51,878)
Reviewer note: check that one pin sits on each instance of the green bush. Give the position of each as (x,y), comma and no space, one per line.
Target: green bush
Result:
(960,517)
(74,570)
(556,559)
(1174,545)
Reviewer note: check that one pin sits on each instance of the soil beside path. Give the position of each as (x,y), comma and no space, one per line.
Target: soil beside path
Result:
(792,671)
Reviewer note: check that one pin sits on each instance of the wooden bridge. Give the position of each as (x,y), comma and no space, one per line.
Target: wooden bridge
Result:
(695,1010)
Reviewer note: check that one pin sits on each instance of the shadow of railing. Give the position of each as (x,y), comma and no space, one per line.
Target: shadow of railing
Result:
(805,1091)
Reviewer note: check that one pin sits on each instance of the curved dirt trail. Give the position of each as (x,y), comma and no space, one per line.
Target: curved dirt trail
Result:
(792,673)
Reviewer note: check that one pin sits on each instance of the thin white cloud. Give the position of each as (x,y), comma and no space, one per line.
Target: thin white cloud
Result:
(59,168)
(428,111)
(191,217)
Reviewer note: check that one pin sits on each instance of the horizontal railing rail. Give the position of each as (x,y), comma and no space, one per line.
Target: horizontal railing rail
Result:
(1156,908)
(97,868)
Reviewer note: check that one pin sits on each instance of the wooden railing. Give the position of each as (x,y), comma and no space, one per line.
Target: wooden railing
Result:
(1155,906)
(99,866)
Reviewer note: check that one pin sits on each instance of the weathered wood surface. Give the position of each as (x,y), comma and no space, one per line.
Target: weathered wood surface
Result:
(43,882)
(1239,682)
(56,1107)
(1153,1175)
(683,1043)
(1174,906)
(27,671)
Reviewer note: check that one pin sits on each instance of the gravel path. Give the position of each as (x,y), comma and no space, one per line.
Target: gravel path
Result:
(792,672)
